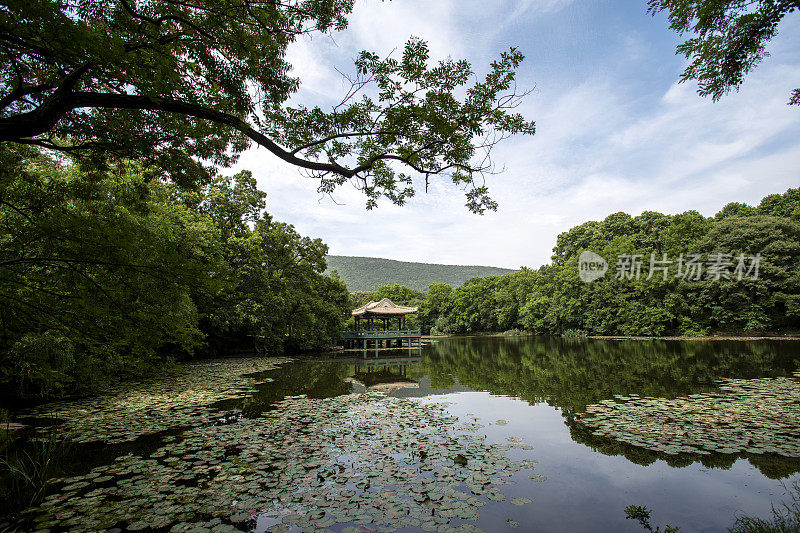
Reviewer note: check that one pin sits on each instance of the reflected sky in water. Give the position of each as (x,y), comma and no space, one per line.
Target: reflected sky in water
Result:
(537,384)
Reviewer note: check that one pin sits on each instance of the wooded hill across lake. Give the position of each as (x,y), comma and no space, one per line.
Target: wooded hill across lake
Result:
(369,273)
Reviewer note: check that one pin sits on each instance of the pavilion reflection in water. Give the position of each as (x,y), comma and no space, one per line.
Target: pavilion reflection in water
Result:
(388,374)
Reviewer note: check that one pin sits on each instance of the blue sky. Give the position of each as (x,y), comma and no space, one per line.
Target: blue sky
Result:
(615,131)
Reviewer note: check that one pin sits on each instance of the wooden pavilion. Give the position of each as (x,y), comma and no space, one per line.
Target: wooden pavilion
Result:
(371,316)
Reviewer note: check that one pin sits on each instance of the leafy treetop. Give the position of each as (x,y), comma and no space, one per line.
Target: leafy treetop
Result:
(186,85)
(729,38)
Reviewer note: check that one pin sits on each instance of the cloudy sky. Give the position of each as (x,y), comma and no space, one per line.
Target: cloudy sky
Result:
(615,131)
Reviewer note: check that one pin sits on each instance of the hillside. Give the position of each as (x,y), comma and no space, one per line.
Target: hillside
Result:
(369,273)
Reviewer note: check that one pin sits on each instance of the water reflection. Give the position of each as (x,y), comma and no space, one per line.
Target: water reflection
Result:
(313,379)
(570,375)
(386,376)
(772,466)
(514,388)
(565,374)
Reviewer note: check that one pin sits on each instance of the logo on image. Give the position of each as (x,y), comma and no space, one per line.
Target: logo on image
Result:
(591,266)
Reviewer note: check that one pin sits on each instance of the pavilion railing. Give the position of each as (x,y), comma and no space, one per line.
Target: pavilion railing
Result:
(378,334)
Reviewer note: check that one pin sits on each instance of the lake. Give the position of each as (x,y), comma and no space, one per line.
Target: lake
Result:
(464,434)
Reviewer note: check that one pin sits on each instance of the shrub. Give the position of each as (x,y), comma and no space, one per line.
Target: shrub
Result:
(26,465)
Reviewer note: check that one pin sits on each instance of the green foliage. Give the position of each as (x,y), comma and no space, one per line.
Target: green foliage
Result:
(369,273)
(780,205)
(688,330)
(442,326)
(399,294)
(26,465)
(110,273)
(184,87)
(276,298)
(642,515)
(554,300)
(728,38)
(434,309)
(735,209)
(574,333)
(685,230)
(479,305)
(96,272)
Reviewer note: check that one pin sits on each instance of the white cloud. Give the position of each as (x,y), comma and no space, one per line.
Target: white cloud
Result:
(310,60)
(540,6)
(384,26)
(602,145)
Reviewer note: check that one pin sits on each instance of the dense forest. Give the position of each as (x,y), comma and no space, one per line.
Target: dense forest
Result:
(554,299)
(369,273)
(111,273)
(123,244)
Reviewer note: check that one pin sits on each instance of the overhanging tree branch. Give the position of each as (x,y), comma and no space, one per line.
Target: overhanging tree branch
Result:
(210,77)
(24,126)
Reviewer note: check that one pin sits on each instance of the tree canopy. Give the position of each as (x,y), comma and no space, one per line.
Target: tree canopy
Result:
(729,38)
(106,274)
(554,300)
(184,86)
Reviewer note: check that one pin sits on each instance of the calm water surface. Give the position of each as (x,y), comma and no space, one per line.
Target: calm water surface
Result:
(537,385)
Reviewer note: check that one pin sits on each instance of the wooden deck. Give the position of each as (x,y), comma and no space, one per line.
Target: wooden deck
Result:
(380,338)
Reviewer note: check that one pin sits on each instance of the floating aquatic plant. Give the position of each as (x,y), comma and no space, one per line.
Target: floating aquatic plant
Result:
(754,416)
(174,400)
(310,463)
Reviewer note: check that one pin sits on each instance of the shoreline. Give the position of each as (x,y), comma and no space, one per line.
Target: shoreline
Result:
(636,337)
(699,338)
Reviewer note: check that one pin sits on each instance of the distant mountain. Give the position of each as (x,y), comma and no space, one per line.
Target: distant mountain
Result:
(369,273)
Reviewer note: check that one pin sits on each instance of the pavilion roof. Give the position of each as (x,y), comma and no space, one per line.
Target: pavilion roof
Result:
(384,307)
